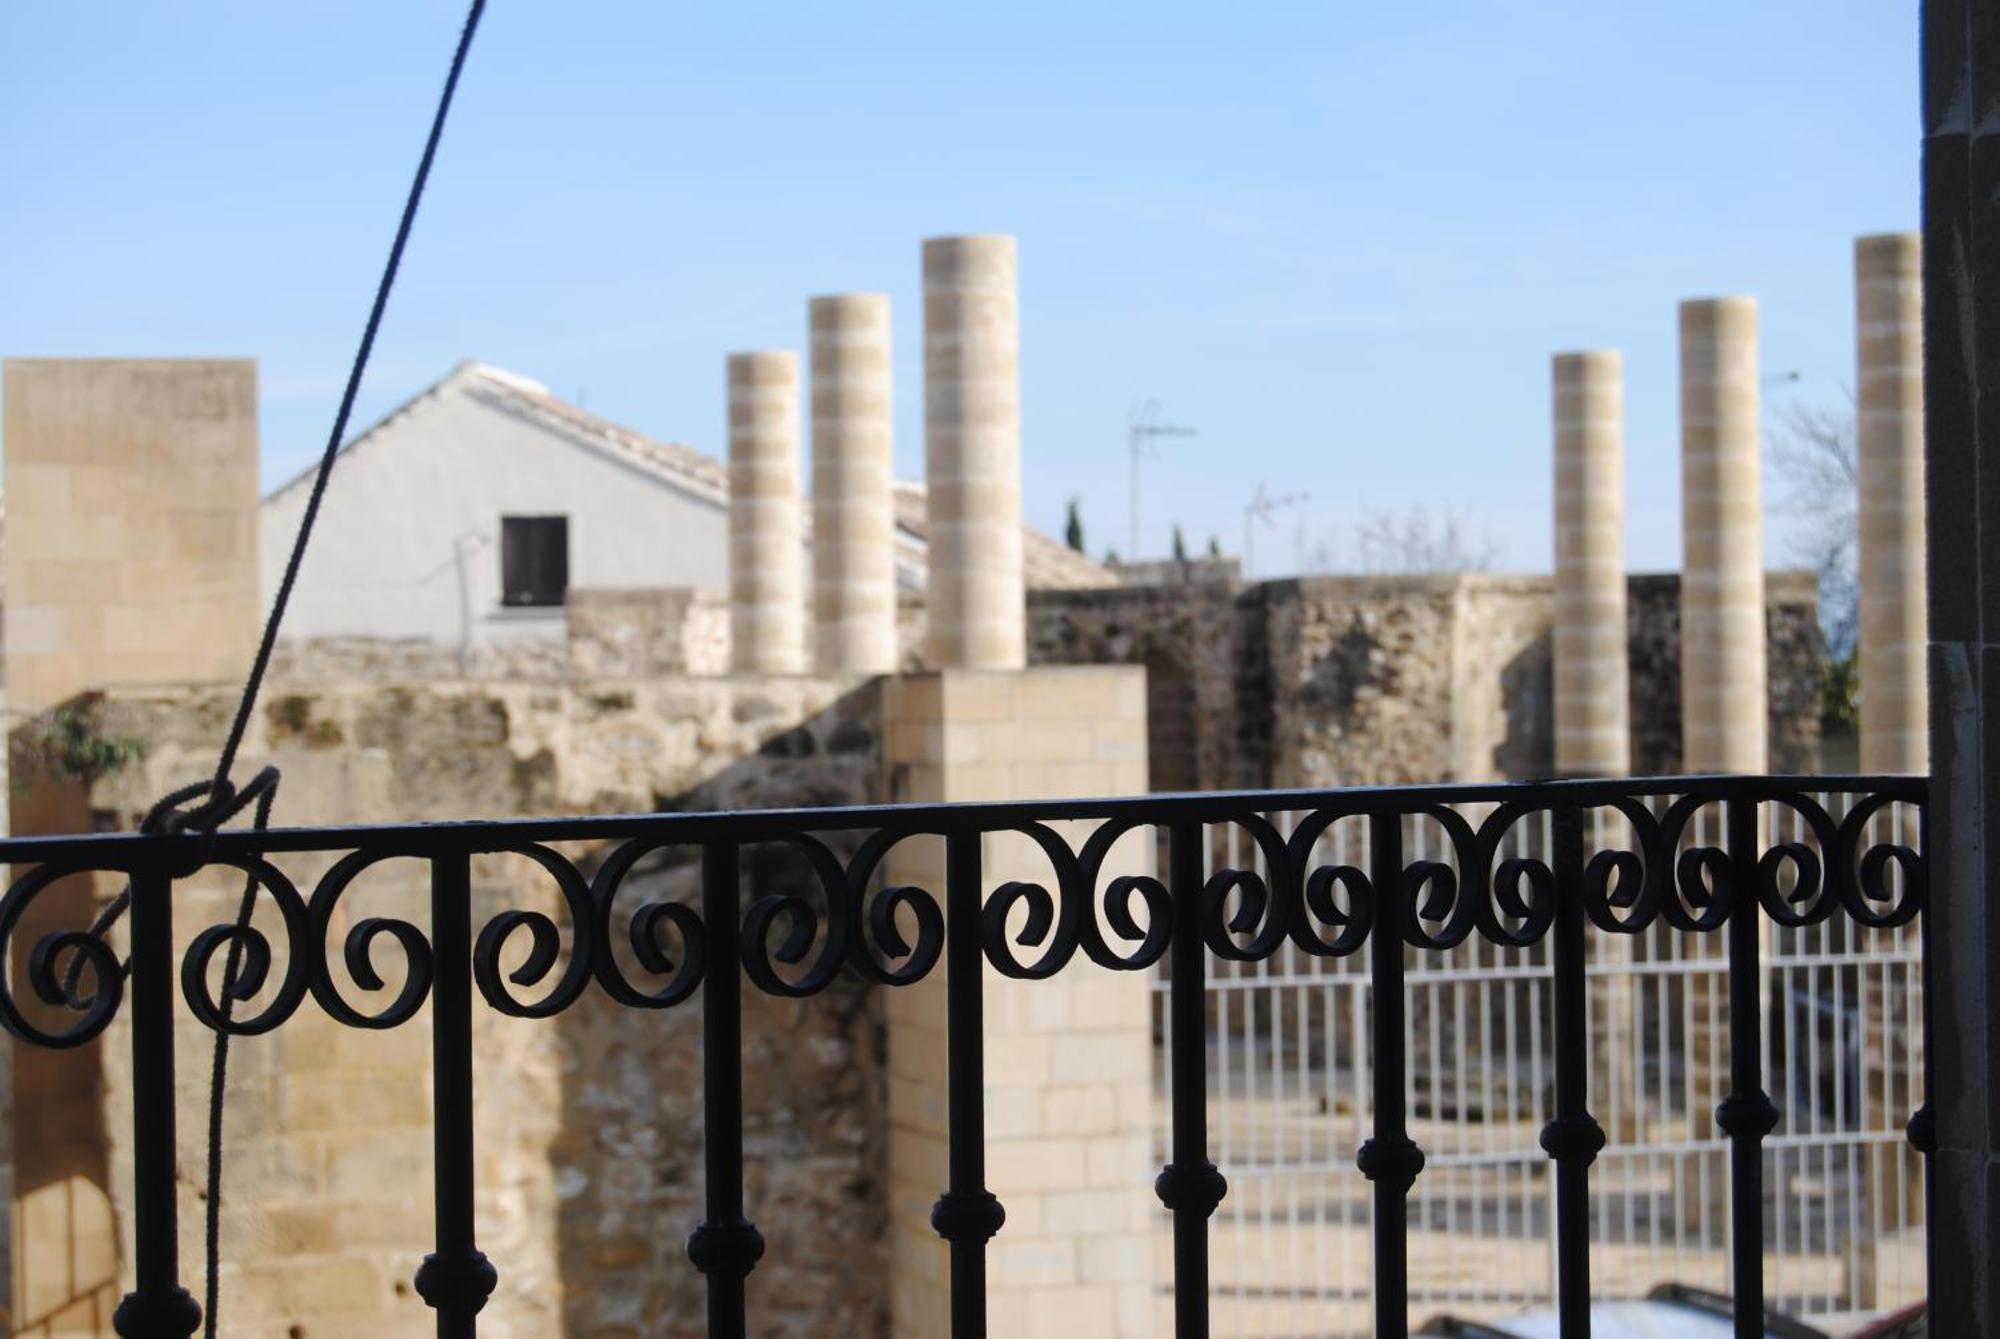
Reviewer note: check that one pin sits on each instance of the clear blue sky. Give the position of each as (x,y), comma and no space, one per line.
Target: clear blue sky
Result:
(1340,239)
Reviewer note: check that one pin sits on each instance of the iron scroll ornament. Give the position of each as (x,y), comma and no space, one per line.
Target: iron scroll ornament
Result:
(1482,879)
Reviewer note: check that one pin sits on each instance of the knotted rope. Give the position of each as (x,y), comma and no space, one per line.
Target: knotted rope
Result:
(204,807)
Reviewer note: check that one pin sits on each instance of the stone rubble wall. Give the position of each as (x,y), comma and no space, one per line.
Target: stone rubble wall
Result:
(1331,681)
(588,1125)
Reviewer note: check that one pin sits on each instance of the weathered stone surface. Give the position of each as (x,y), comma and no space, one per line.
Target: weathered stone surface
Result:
(588,1126)
(1374,680)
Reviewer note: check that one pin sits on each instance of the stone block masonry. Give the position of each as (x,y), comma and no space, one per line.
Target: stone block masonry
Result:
(1722,539)
(766,527)
(972,452)
(1593,728)
(1889,356)
(131,557)
(853,452)
(1330,681)
(588,1125)
(1068,1093)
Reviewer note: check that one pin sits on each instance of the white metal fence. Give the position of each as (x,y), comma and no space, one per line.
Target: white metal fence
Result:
(1288,1105)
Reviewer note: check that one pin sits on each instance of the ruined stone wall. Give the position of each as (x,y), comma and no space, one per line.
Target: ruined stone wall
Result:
(1330,681)
(1189,639)
(588,1125)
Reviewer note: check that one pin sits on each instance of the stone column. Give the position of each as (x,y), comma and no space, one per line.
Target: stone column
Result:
(972,453)
(1888,330)
(1593,725)
(854,515)
(766,563)
(1723,710)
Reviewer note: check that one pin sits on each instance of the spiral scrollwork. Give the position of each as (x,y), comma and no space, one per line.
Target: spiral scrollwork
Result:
(882,952)
(1435,893)
(1515,896)
(798,926)
(253,959)
(1642,858)
(1861,876)
(358,950)
(1317,903)
(651,934)
(1623,889)
(1123,895)
(1702,891)
(1051,921)
(69,969)
(544,942)
(1263,900)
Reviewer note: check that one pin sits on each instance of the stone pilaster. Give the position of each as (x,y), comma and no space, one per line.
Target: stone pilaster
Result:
(1723,725)
(854,519)
(972,452)
(1592,709)
(1068,1081)
(766,555)
(1888,332)
(131,558)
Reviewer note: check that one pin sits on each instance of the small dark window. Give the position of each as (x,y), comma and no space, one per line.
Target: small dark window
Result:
(534,560)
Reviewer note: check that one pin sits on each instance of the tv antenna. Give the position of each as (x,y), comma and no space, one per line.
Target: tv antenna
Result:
(1260,508)
(1142,429)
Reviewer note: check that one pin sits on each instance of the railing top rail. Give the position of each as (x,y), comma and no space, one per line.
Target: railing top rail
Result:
(132,850)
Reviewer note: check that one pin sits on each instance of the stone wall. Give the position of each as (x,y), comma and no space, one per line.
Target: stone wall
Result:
(589,1125)
(1327,681)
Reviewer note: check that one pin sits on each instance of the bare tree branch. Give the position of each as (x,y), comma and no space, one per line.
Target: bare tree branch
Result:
(1815,455)
(1416,541)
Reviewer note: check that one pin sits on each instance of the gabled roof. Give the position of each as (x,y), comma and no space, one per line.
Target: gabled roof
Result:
(1048,564)
(671,462)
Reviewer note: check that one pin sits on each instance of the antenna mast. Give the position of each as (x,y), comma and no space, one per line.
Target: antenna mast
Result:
(1142,428)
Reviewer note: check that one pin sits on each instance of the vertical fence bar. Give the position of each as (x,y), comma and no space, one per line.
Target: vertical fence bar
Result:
(1572,1137)
(456,1278)
(1746,1115)
(1390,1158)
(967,1214)
(725,1246)
(157,1307)
(1190,1186)
(1922,1129)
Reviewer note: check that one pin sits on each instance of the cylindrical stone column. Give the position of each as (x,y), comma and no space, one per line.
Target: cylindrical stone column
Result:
(972,453)
(1888,329)
(766,562)
(1592,711)
(1723,709)
(854,513)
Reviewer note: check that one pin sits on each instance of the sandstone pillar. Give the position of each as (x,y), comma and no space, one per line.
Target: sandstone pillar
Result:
(1723,711)
(1888,329)
(854,518)
(1068,1079)
(130,558)
(972,453)
(766,562)
(1592,711)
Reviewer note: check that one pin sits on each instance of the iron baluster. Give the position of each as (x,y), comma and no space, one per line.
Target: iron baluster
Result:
(456,1278)
(967,1214)
(1572,1137)
(1746,1115)
(1190,1185)
(1390,1158)
(726,1246)
(157,1307)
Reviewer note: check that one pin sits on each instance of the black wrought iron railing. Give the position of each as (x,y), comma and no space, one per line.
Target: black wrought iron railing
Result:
(1721,856)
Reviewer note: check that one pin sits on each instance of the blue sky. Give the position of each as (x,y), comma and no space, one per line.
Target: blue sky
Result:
(1341,240)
